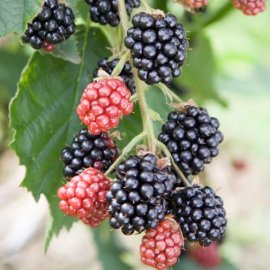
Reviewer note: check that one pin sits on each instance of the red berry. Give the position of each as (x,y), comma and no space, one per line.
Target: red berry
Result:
(250,7)
(48,47)
(205,256)
(162,245)
(194,4)
(239,165)
(84,196)
(103,103)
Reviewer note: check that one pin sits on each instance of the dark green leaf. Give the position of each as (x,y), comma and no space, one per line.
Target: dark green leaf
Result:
(43,115)
(14,14)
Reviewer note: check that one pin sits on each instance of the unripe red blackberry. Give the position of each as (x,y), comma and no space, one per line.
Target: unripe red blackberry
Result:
(200,213)
(207,257)
(126,73)
(103,103)
(138,197)
(162,245)
(106,11)
(84,197)
(192,137)
(250,7)
(87,150)
(54,24)
(158,46)
(193,4)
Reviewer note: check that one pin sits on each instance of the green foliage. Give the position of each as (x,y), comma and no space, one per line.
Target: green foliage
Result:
(43,115)
(15,14)
(109,252)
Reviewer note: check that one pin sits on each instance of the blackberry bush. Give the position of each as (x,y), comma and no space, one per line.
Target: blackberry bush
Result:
(192,136)
(143,190)
(54,24)
(87,150)
(126,73)
(137,200)
(106,11)
(200,213)
(158,46)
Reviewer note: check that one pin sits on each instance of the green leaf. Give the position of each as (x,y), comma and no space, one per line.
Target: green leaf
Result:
(68,50)
(198,74)
(14,14)
(109,250)
(11,66)
(43,115)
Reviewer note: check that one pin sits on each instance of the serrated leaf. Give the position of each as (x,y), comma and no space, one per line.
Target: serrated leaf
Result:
(14,14)
(43,115)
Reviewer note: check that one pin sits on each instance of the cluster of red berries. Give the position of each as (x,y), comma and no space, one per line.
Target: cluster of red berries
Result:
(84,196)
(250,7)
(103,103)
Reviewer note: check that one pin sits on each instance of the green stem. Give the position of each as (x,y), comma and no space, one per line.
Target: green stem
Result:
(163,148)
(147,123)
(147,7)
(123,15)
(169,93)
(117,70)
(125,151)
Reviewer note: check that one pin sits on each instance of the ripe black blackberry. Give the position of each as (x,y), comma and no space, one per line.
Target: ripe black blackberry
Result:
(137,200)
(106,11)
(87,150)
(126,73)
(200,213)
(52,25)
(192,137)
(158,46)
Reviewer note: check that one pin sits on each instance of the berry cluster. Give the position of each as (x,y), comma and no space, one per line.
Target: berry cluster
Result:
(106,11)
(84,196)
(193,4)
(126,73)
(162,245)
(192,137)
(52,25)
(158,46)
(250,7)
(87,150)
(138,197)
(103,103)
(200,213)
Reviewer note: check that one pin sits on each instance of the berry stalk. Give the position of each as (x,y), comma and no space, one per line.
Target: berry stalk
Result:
(164,149)
(123,15)
(125,151)
(147,123)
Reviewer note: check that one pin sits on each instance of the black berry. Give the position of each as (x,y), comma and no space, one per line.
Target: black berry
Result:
(106,11)
(158,46)
(138,198)
(52,25)
(86,150)
(126,73)
(200,213)
(192,137)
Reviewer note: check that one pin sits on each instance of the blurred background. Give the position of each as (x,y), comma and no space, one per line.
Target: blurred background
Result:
(234,51)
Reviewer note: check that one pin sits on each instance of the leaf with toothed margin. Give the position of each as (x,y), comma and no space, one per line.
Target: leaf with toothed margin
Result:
(43,115)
